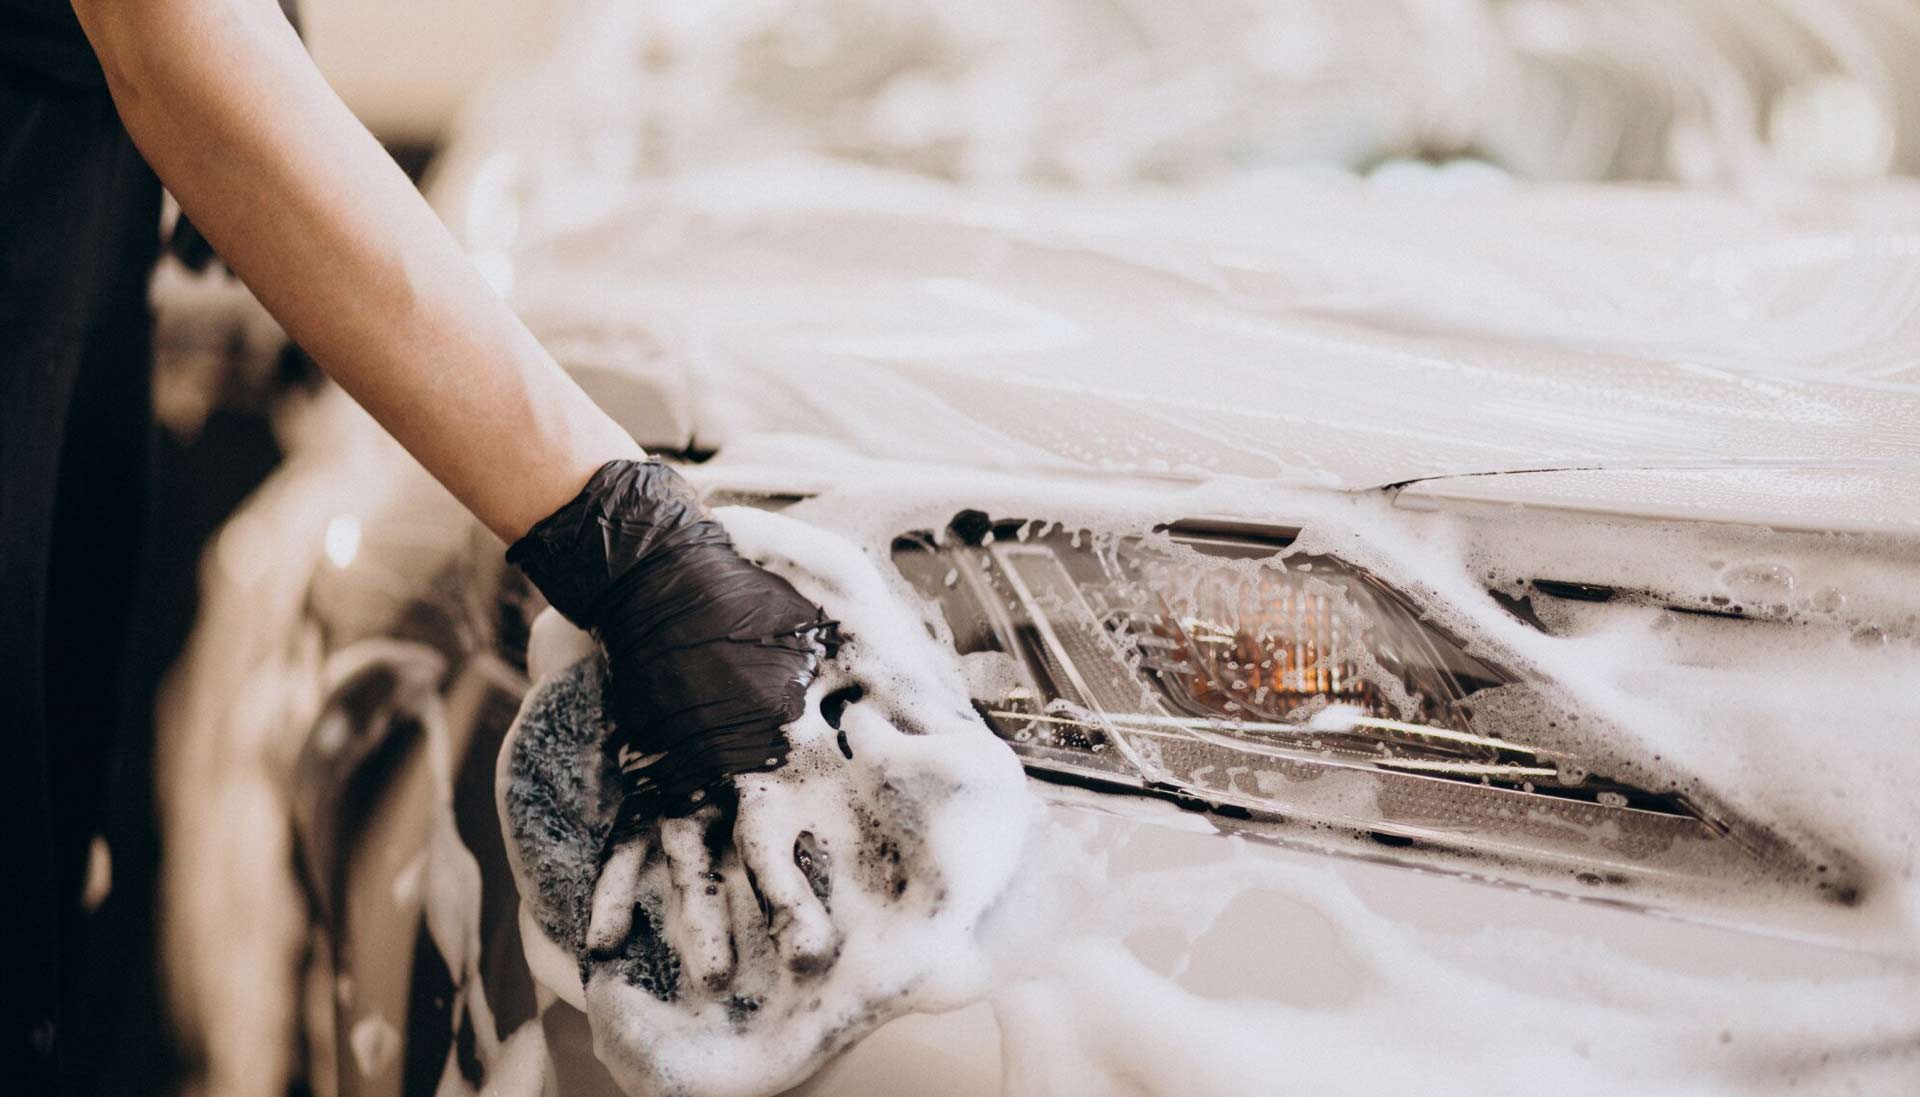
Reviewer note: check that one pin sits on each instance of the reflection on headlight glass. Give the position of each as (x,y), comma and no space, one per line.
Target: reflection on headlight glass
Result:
(1201,665)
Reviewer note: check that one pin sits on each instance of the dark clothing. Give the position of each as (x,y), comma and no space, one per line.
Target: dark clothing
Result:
(79,229)
(43,37)
(79,234)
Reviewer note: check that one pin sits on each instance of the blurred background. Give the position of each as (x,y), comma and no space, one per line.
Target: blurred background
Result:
(406,69)
(1607,89)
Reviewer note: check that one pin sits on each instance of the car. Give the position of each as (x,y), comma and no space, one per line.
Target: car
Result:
(1462,633)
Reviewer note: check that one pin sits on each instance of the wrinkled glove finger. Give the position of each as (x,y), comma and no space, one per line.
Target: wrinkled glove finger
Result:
(792,872)
(614,895)
(701,933)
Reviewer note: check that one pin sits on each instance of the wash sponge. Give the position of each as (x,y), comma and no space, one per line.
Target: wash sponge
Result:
(910,817)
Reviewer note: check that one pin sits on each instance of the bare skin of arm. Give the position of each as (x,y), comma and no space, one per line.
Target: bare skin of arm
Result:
(302,202)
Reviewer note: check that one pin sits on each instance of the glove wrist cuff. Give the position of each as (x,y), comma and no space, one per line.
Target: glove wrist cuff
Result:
(627,512)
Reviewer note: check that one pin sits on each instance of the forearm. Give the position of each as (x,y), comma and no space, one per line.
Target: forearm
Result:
(306,207)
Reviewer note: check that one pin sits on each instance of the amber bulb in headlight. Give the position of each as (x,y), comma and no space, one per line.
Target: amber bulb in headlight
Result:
(1265,649)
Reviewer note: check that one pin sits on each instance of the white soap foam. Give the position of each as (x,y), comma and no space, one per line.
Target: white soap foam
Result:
(1080,1013)
(522,1068)
(1802,726)
(916,811)
(1786,718)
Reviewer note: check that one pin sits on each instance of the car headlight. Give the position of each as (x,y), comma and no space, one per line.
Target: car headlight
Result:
(1201,664)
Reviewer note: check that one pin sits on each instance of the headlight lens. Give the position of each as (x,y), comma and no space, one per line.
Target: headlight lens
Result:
(1201,664)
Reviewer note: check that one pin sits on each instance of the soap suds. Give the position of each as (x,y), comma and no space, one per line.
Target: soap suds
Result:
(1080,1012)
(1793,727)
(1758,711)
(1510,1011)
(1323,327)
(912,817)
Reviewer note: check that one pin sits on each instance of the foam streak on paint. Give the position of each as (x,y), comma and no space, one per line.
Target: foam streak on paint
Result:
(1081,1013)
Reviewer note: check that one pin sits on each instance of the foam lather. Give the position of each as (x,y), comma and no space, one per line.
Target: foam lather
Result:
(909,818)
(711,655)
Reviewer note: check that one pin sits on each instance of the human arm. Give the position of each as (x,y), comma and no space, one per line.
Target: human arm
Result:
(709,655)
(307,208)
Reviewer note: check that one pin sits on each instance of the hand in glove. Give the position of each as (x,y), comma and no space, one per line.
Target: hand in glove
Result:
(709,656)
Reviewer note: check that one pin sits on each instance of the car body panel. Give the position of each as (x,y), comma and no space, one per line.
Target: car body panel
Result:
(397,1000)
(833,331)
(917,323)
(1845,497)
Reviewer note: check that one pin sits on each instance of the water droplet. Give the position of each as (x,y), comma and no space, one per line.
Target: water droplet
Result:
(1758,581)
(1828,600)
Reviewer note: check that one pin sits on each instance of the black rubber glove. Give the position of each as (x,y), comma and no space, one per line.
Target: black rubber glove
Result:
(709,655)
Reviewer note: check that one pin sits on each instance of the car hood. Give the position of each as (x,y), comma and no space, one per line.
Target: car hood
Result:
(1305,328)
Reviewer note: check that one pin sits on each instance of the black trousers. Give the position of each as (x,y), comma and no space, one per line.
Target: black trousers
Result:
(79,228)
